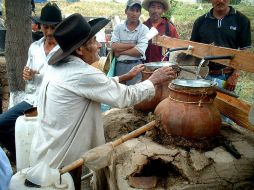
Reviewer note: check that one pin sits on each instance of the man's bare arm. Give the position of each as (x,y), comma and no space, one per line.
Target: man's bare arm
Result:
(132,73)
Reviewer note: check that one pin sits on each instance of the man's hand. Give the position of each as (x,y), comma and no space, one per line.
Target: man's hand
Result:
(162,74)
(232,81)
(28,74)
(132,73)
(135,71)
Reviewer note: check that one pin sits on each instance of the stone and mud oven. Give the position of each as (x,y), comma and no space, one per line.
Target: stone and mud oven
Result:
(145,163)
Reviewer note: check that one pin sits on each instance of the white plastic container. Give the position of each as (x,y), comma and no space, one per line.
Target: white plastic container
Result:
(24,131)
(18,180)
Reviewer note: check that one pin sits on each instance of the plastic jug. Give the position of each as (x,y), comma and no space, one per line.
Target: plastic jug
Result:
(18,180)
(24,130)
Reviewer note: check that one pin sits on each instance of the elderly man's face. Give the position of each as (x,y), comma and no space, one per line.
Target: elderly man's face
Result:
(220,5)
(89,52)
(48,32)
(155,10)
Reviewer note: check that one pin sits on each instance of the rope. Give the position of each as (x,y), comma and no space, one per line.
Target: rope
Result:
(202,92)
(198,102)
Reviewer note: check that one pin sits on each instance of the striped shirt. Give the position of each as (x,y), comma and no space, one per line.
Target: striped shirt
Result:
(122,34)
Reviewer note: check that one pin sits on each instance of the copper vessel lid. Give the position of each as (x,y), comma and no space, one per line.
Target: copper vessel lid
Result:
(157,65)
(199,83)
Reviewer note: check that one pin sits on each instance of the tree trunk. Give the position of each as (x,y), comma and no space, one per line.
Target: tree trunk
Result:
(18,40)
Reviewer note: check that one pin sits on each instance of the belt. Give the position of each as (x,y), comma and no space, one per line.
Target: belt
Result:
(131,61)
(226,70)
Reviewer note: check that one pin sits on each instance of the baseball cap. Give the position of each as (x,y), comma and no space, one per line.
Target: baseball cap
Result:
(130,3)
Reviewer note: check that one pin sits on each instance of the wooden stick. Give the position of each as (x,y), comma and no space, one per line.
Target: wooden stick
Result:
(72,166)
(134,133)
(235,109)
(115,143)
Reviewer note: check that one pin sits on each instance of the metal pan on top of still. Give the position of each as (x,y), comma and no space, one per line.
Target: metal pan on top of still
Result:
(157,65)
(194,83)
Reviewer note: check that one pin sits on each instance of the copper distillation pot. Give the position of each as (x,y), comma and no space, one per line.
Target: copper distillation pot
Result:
(189,111)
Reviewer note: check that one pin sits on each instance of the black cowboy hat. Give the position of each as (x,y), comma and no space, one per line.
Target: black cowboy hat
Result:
(35,19)
(74,31)
(50,15)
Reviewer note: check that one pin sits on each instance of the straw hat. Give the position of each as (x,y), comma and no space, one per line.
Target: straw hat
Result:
(103,64)
(165,4)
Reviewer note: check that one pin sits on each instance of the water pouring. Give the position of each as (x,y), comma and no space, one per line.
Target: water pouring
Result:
(208,58)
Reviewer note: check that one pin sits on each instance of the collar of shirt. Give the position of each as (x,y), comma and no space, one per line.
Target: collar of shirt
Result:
(232,11)
(136,29)
(162,23)
(160,27)
(39,44)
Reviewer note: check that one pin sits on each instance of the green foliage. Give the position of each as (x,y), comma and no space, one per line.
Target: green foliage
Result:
(233,2)
(173,6)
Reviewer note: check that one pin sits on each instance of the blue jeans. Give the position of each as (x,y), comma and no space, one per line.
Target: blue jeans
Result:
(7,125)
(223,77)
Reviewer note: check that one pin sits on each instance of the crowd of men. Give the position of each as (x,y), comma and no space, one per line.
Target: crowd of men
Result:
(67,90)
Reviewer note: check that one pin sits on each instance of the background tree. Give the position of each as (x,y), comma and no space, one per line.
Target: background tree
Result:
(18,39)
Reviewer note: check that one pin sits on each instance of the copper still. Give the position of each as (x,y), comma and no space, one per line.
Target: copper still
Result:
(161,91)
(189,111)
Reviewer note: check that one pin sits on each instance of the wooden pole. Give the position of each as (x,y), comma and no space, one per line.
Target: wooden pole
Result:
(115,143)
(235,109)
(243,60)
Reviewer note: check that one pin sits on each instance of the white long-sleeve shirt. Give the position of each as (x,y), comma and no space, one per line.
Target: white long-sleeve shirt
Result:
(69,113)
(37,60)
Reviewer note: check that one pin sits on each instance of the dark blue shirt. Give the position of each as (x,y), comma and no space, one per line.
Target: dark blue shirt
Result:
(232,31)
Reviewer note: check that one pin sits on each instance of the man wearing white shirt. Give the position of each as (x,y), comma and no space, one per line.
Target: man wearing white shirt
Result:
(69,116)
(38,55)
